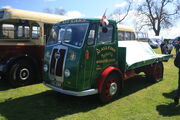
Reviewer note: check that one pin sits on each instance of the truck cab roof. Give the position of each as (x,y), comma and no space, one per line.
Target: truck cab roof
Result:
(83,20)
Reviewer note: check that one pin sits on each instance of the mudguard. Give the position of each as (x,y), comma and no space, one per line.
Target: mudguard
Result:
(105,74)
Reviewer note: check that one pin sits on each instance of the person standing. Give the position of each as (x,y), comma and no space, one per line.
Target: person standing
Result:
(177,64)
(162,46)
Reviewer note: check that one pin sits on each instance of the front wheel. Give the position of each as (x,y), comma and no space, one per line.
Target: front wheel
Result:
(21,74)
(155,72)
(111,88)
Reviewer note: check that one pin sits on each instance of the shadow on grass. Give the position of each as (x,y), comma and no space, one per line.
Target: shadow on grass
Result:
(51,105)
(135,84)
(4,85)
(170,109)
(170,95)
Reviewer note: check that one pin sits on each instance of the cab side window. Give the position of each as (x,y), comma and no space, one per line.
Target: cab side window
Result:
(91,36)
(105,34)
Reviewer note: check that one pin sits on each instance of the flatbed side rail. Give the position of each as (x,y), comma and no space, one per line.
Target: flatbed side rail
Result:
(160,57)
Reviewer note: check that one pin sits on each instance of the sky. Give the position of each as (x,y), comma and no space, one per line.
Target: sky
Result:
(87,9)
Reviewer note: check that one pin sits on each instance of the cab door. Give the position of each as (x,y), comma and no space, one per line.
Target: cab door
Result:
(106,47)
(89,56)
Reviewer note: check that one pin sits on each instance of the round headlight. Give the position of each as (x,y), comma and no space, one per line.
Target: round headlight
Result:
(67,73)
(45,68)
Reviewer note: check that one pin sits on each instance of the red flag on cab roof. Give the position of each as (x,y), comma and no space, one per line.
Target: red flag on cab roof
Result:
(104,20)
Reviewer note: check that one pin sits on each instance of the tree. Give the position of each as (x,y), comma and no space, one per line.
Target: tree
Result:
(120,14)
(158,14)
(58,11)
(48,10)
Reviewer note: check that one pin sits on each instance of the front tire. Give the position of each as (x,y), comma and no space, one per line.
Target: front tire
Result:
(21,74)
(111,88)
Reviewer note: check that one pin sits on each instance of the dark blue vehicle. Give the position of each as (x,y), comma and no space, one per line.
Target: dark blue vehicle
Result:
(176,43)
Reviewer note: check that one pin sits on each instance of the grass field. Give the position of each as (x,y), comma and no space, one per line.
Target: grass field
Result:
(141,100)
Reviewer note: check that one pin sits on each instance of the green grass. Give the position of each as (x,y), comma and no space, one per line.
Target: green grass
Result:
(141,100)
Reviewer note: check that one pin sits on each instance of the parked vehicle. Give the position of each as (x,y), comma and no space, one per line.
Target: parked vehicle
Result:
(82,57)
(176,43)
(155,41)
(125,33)
(22,38)
(142,36)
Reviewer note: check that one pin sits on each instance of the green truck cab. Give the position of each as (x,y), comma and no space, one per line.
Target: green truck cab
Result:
(84,57)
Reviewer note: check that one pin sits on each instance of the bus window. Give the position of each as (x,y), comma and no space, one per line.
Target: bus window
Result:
(35,31)
(127,36)
(121,35)
(23,32)
(26,32)
(7,31)
(13,31)
(20,31)
(132,36)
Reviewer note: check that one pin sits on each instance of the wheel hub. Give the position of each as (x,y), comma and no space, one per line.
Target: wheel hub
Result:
(24,74)
(113,88)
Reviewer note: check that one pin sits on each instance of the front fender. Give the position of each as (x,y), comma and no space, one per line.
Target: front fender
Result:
(105,74)
(6,65)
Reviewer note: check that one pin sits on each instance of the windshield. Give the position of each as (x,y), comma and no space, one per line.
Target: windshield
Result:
(73,34)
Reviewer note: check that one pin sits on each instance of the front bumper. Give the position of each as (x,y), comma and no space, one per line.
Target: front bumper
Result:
(73,93)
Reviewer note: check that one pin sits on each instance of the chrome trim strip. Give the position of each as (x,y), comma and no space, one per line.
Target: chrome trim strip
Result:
(68,92)
(54,75)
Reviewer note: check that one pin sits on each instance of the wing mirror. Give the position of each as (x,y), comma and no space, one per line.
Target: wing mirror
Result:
(104,29)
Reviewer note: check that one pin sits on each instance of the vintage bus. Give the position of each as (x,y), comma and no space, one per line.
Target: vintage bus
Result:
(142,36)
(22,39)
(126,33)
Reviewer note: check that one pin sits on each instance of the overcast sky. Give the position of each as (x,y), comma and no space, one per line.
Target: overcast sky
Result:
(85,8)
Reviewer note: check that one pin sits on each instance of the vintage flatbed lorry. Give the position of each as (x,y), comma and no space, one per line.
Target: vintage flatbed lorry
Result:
(84,57)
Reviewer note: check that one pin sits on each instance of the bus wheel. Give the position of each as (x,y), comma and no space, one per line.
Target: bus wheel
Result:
(21,73)
(111,88)
(155,73)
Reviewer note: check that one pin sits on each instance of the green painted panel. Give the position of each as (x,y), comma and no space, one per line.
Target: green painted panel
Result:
(122,58)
